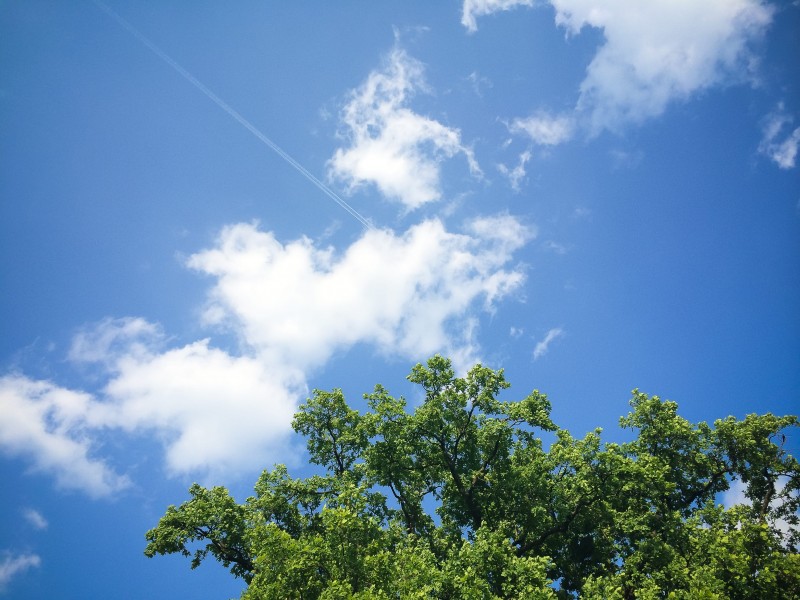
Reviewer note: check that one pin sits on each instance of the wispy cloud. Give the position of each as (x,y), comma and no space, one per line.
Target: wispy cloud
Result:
(556,247)
(517,174)
(291,306)
(779,141)
(544,129)
(543,346)
(389,145)
(11,566)
(478,8)
(479,83)
(35,518)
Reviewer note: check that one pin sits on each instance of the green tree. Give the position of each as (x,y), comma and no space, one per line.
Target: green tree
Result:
(460,498)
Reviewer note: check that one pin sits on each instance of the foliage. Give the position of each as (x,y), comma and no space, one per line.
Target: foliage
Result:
(460,499)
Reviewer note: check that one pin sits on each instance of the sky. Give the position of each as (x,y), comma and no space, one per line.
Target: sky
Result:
(208,210)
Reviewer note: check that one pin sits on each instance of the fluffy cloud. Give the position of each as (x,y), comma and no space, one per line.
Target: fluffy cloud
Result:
(543,346)
(779,142)
(659,51)
(214,412)
(654,53)
(291,306)
(11,565)
(49,425)
(478,8)
(391,146)
(405,294)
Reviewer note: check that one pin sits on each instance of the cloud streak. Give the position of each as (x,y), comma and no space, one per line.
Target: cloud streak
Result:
(35,518)
(145,41)
(542,347)
(11,566)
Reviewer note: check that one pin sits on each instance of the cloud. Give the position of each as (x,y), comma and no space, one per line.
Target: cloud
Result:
(390,146)
(479,83)
(517,174)
(35,518)
(777,125)
(545,129)
(406,294)
(555,247)
(104,342)
(543,346)
(660,51)
(291,307)
(214,413)
(654,53)
(48,425)
(11,565)
(478,8)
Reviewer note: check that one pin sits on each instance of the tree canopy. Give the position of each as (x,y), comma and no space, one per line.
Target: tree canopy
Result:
(461,498)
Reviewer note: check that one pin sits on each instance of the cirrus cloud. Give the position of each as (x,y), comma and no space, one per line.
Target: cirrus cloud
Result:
(11,566)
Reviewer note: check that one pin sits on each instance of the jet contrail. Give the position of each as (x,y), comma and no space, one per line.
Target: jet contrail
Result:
(231,111)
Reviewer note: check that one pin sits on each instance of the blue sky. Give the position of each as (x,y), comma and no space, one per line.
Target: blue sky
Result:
(595,195)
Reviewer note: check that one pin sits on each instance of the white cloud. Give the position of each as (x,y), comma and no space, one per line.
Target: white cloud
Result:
(654,53)
(214,412)
(783,151)
(35,518)
(47,424)
(543,346)
(517,174)
(659,51)
(391,146)
(554,246)
(479,83)
(406,294)
(478,8)
(105,341)
(292,306)
(11,565)
(545,129)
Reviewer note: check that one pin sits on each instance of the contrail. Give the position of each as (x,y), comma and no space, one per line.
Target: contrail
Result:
(231,111)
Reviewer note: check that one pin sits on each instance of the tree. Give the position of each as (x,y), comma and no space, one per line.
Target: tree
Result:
(461,499)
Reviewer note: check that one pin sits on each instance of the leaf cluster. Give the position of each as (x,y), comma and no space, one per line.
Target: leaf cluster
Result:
(459,498)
